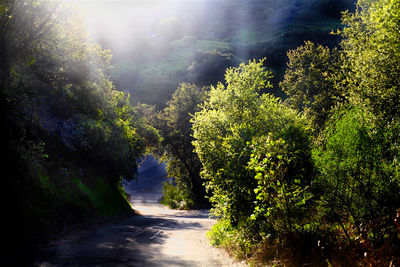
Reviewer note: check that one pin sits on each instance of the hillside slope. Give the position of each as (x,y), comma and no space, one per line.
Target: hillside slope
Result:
(195,41)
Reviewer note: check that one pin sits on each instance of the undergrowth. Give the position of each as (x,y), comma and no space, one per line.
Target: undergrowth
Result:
(175,197)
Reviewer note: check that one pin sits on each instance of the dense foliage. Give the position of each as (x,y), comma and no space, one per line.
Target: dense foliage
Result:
(68,136)
(371,45)
(176,149)
(313,179)
(309,81)
(256,155)
(358,177)
(316,179)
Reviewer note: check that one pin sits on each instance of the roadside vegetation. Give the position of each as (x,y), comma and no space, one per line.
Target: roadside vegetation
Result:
(300,164)
(68,136)
(309,178)
(313,179)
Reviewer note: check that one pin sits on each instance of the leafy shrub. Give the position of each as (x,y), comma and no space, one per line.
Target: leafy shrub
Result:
(256,159)
(240,242)
(219,233)
(231,117)
(359,178)
(283,171)
(176,197)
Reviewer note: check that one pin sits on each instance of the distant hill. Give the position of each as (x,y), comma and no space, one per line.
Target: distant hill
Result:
(195,41)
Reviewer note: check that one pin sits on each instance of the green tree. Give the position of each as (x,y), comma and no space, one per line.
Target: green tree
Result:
(231,118)
(309,82)
(371,42)
(176,148)
(22,25)
(69,136)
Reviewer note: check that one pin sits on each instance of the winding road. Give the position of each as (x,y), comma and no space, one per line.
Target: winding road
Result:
(159,237)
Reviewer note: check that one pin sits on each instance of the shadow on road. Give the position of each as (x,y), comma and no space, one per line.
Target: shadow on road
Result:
(159,237)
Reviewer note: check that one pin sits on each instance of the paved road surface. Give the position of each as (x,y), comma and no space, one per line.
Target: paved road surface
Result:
(159,237)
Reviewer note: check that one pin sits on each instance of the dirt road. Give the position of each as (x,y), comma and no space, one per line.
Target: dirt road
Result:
(159,237)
